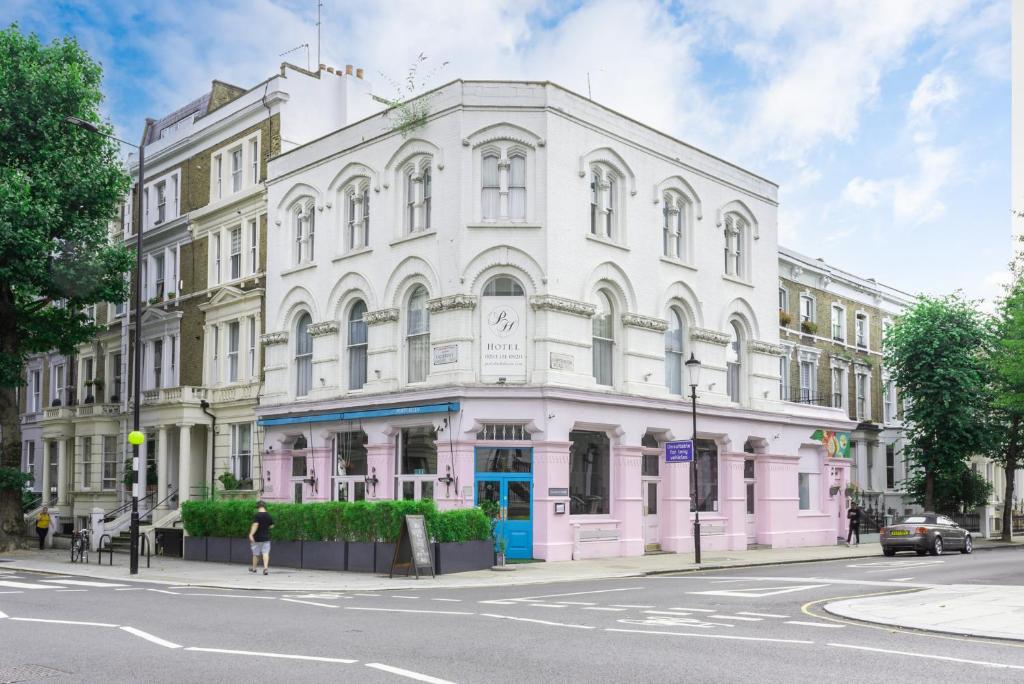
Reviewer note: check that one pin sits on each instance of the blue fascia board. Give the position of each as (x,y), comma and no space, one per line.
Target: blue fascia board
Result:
(362,414)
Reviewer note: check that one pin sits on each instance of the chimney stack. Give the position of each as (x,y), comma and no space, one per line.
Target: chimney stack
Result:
(322,67)
(348,69)
(330,70)
(359,73)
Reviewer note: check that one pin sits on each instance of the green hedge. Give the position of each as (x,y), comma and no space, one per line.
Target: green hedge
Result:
(361,521)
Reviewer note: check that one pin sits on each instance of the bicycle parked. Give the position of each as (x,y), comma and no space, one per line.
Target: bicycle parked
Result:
(80,546)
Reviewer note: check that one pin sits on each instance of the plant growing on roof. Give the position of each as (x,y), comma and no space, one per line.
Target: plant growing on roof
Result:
(408,110)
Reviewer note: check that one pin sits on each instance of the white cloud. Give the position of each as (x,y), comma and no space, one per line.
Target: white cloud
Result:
(864,192)
(935,89)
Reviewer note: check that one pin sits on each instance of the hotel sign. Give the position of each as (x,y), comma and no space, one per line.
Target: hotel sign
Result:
(503,338)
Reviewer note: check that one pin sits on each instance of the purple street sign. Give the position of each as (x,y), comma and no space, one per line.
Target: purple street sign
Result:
(679,452)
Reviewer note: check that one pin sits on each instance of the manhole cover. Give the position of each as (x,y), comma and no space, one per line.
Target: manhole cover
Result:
(27,673)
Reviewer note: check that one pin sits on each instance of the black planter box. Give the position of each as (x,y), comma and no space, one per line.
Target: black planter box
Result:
(323,555)
(385,553)
(195,548)
(218,549)
(241,551)
(287,554)
(359,557)
(460,557)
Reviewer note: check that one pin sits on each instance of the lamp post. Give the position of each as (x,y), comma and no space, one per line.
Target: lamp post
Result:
(133,438)
(693,371)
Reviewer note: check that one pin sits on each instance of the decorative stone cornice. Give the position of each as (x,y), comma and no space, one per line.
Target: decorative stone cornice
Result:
(711,336)
(323,328)
(380,316)
(451,303)
(271,338)
(632,320)
(562,305)
(759,347)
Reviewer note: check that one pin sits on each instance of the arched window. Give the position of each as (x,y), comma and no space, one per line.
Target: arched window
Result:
(595,204)
(303,356)
(490,187)
(674,352)
(674,226)
(357,346)
(517,187)
(410,200)
(366,217)
(610,210)
(503,286)
(298,233)
(603,339)
(736,234)
(426,198)
(418,336)
(352,218)
(733,362)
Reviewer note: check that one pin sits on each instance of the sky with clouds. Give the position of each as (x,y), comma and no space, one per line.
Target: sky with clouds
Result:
(886,123)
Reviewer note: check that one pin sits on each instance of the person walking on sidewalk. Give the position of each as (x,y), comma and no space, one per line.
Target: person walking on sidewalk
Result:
(259,537)
(43,526)
(853,516)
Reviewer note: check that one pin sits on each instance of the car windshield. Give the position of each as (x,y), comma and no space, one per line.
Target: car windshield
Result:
(915,519)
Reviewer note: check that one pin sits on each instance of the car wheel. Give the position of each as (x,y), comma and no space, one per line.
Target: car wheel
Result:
(936,549)
(968,545)
(889,552)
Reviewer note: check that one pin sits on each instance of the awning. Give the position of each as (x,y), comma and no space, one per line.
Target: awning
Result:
(452,406)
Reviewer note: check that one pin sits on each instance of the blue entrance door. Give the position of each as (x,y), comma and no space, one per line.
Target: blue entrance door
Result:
(504,477)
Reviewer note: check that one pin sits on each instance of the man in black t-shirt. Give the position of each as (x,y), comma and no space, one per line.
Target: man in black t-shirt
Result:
(259,537)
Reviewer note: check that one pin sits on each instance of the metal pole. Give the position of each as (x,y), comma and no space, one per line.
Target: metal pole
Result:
(696,481)
(137,375)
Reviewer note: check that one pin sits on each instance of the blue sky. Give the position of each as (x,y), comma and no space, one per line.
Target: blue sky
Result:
(886,123)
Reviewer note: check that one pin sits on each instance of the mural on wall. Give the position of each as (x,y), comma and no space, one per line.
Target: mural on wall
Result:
(837,444)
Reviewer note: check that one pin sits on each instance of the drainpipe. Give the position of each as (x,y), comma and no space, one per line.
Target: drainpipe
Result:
(205,406)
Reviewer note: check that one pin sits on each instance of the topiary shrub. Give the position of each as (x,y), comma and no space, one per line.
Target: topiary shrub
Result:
(461,525)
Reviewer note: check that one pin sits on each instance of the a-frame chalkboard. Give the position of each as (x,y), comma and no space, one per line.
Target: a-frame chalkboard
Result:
(413,548)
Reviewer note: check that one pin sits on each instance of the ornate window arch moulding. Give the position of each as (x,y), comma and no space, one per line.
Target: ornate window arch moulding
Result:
(562,305)
(323,328)
(380,316)
(272,338)
(633,320)
(710,336)
(451,303)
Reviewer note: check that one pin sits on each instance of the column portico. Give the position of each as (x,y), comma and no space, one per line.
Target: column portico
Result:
(628,504)
(161,466)
(552,534)
(62,472)
(46,472)
(184,462)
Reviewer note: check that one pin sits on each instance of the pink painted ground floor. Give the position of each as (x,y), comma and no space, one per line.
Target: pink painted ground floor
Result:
(572,474)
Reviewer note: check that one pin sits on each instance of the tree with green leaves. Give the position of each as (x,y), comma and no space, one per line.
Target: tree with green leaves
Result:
(1007,365)
(60,187)
(937,354)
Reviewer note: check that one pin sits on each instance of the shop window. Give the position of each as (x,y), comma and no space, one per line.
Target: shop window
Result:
(808,478)
(589,473)
(504,459)
(417,462)
(350,466)
(704,487)
(299,466)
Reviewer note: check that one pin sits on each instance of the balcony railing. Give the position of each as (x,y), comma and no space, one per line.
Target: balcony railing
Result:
(246,392)
(173,395)
(798,396)
(57,412)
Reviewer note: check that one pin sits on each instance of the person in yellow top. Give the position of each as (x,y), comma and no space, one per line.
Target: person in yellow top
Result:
(43,526)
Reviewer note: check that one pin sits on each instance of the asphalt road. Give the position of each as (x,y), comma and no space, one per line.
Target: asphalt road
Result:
(762,623)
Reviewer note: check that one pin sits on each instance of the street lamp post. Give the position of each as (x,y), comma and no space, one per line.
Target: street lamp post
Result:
(693,371)
(133,566)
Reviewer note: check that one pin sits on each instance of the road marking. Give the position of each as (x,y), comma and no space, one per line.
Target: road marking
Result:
(408,673)
(149,637)
(897,564)
(260,598)
(68,591)
(734,617)
(757,592)
(666,612)
(309,603)
(983,663)
(404,597)
(82,583)
(692,610)
(181,587)
(814,624)
(768,615)
(409,610)
(447,599)
(629,605)
(545,605)
(65,622)
(901,579)
(667,621)
(578,603)
(612,610)
(288,656)
(12,592)
(539,622)
(130,589)
(25,585)
(710,636)
(580,593)
(175,593)
(500,603)
(2,615)
(820,580)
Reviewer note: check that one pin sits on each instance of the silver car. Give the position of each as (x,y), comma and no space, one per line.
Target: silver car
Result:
(925,533)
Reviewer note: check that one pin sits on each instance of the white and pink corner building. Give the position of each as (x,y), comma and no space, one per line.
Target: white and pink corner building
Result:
(497,306)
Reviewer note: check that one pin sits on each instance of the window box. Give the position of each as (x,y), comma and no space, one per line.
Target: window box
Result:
(322,555)
(218,549)
(360,557)
(452,557)
(809,327)
(195,548)
(785,318)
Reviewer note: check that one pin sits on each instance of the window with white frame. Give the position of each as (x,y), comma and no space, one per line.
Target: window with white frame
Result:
(517,186)
(215,363)
(809,479)
(603,339)
(411,185)
(862,407)
(734,363)
(357,346)
(416,472)
(807,314)
(595,203)
(737,233)
(254,160)
(784,390)
(303,232)
(490,186)
(862,330)
(116,374)
(254,236)
(303,356)
(85,375)
(172,361)
(427,195)
(86,459)
(808,378)
(235,258)
(252,347)
(357,214)
(675,226)
(418,336)
(215,238)
(59,383)
(35,388)
(838,323)
(161,201)
(890,401)
(365,207)
(158,363)
(90,313)
(783,300)
(674,355)
(606,201)
(158,275)
(174,195)
(234,342)
(838,386)
(218,176)
(504,178)
(241,452)
(236,169)
(30,458)
(108,479)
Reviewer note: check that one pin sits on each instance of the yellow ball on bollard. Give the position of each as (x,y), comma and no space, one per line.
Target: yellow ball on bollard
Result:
(135,438)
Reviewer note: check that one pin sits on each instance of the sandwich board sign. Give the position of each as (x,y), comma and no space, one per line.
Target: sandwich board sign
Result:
(412,551)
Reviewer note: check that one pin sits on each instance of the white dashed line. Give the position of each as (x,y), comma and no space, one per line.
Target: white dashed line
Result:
(629,605)
(447,599)
(676,613)
(539,622)
(149,637)
(580,593)
(130,589)
(733,617)
(827,625)
(405,597)
(612,610)
(12,592)
(983,663)
(64,622)
(408,673)
(545,605)
(259,598)
(499,603)
(68,591)
(175,593)
(309,603)
(408,610)
(693,610)
(288,656)
(82,583)
(578,603)
(767,615)
(710,636)
(25,585)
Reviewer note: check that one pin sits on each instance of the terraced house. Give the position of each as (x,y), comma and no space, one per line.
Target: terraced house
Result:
(204,251)
(831,327)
